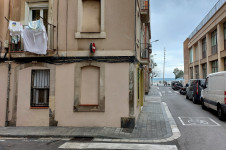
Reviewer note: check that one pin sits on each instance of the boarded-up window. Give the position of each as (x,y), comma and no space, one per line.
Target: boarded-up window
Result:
(91,16)
(40,88)
(90,84)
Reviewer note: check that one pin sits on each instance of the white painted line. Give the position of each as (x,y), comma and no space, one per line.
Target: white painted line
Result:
(215,122)
(169,91)
(158,88)
(198,121)
(181,121)
(2,140)
(176,92)
(160,94)
(123,146)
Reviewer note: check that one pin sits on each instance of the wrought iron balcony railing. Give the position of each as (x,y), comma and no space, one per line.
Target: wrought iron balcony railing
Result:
(145,50)
(16,44)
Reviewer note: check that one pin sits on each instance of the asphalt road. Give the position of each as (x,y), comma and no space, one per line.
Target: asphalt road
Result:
(200,129)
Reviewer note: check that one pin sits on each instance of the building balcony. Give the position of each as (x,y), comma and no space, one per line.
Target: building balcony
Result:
(145,52)
(144,11)
(16,46)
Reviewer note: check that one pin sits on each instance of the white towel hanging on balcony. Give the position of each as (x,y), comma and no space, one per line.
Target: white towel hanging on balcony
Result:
(35,41)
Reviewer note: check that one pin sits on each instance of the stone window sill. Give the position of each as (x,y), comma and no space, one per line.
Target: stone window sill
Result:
(81,35)
(39,107)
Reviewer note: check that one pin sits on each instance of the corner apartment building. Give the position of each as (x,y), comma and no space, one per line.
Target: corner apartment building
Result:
(95,70)
(205,49)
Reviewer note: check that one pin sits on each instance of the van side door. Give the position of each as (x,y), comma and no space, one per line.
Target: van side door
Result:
(205,92)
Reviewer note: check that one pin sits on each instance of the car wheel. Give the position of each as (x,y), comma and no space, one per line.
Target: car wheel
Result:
(203,105)
(187,97)
(193,100)
(220,113)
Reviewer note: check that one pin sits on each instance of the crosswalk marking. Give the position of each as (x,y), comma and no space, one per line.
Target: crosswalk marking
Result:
(160,94)
(2,140)
(122,146)
(169,92)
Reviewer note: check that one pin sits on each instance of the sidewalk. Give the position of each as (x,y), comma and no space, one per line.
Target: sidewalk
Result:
(155,124)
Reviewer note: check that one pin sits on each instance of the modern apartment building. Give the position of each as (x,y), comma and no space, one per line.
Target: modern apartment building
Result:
(92,70)
(205,48)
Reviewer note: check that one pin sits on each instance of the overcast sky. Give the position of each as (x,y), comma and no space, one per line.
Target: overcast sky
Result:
(172,21)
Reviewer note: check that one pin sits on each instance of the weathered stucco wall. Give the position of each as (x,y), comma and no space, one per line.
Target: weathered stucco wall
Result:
(3,92)
(25,115)
(136,104)
(116,12)
(116,98)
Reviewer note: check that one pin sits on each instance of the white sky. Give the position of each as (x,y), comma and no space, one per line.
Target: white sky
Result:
(172,21)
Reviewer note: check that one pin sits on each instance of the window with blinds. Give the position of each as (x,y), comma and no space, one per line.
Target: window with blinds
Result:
(40,88)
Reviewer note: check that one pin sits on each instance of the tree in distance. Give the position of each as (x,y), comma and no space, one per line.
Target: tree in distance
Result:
(178,73)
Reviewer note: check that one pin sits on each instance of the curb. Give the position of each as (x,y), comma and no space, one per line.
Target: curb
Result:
(173,125)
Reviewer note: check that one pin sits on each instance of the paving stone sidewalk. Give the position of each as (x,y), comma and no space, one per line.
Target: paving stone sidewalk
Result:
(152,123)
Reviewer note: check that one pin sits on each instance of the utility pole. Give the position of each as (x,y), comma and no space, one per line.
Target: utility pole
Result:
(164,65)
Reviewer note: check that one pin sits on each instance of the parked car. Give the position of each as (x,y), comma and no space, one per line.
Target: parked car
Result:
(178,86)
(193,90)
(214,93)
(173,84)
(183,90)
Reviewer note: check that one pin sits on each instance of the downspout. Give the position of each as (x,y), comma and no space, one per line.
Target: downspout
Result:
(8,82)
(8,92)
(57,26)
(135,29)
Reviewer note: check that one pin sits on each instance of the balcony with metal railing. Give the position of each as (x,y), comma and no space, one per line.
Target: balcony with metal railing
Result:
(145,51)
(144,11)
(216,7)
(16,45)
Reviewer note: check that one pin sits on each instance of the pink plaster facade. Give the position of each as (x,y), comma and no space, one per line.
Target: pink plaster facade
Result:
(116,95)
(114,86)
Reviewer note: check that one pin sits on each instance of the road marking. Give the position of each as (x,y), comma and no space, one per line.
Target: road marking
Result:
(169,91)
(2,140)
(163,92)
(160,94)
(122,146)
(198,121)
(158,88)
(176,92)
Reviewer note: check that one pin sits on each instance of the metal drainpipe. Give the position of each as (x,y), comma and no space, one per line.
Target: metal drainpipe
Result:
(135,28)
(7,99)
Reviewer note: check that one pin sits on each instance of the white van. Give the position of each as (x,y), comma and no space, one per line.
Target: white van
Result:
(214,93)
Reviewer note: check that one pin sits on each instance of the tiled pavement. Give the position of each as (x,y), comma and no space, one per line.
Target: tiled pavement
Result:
(153,124)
